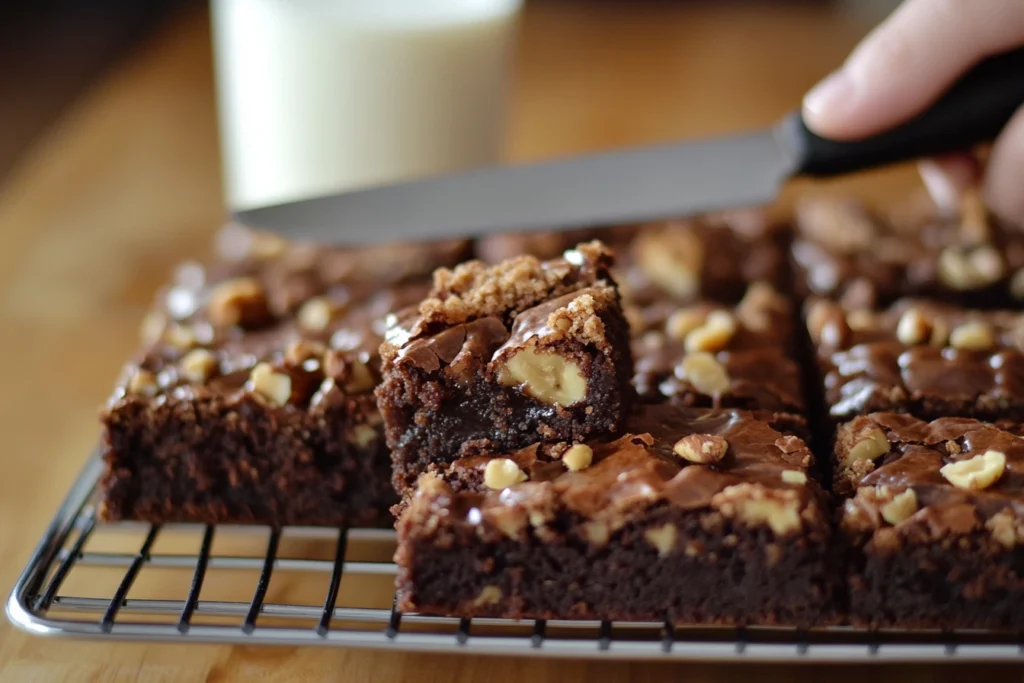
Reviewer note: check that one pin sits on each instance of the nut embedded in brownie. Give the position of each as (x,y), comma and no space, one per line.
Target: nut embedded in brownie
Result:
(497,357)
(709,355)
(845,252)
(695,516)
(932,522)
(252,399)
(928,359)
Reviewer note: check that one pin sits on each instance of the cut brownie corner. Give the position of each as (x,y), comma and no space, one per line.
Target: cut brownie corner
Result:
(499,357)
(693,516)
(931,525)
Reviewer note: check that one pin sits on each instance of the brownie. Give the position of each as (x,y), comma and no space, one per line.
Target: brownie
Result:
(694,516)
(709,355)
(932,522)
(867,259)
(499,356)
(713,257)
(925,358)
(252,398)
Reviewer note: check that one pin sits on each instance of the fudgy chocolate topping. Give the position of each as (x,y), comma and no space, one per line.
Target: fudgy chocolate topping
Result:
(639,470)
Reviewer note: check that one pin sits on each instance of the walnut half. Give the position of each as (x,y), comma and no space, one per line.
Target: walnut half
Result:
(547,377)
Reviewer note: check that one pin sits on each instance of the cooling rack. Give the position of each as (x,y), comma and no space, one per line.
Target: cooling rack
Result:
(301,586)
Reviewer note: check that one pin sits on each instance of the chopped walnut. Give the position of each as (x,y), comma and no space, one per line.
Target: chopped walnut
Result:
(684,321)
(1005,528)
(180,337)
(143,383)
(868,443)
(673,258)
(714,334)
(703,449)
(794,477)
(275,387)
(913,328)
(360,379)
(663,538)
(974,335)
(977,473)
(315,314)
(489,595)
(241,301)
(578,457)
(705,373)
(965,269)
(754,504)
(198,365)
(901,507)
(500,473)
(547,377)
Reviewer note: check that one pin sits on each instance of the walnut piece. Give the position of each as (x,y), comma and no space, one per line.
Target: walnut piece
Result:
(180,336)
(703,449)
(684,321)
(143,383)
(198,365)
(315,314)
(500,473)
(870,444)
(489,595)
(1005,528)
(714,334)
(241,301)
(363,435)
(965,269)
(705,373)
(901,507)
(974,335)
(794,477)
(977,473)
(754,504)
(547,377)
(298,352)
(663,538)
(913,328)
(360,379)
(578,457)
(672,258)
(275,387)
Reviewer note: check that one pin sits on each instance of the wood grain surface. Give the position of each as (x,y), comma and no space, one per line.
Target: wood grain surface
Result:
(127,184)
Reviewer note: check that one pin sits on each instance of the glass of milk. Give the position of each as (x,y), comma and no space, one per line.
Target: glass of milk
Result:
(317,96)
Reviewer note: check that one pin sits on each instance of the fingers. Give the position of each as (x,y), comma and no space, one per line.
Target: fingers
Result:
(947,177)
(1004,176)
(908,61)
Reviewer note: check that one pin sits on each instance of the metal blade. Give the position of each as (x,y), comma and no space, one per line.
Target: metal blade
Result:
(617,187)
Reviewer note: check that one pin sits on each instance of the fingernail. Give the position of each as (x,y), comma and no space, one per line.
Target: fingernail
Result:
(829,96)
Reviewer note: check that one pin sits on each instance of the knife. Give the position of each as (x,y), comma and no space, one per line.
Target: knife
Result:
(646,183)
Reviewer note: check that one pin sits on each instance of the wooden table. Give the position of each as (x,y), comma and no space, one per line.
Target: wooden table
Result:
(127,184)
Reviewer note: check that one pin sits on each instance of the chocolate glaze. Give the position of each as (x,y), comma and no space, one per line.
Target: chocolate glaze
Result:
(639,471)
(866,368)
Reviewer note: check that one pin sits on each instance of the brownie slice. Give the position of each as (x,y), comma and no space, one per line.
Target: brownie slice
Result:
(709,355)
(252,398)
(498,357)
(695,516)
(932,522)
(928,359)
(867,259)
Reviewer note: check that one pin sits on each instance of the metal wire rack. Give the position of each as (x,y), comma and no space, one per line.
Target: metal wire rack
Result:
(333,587)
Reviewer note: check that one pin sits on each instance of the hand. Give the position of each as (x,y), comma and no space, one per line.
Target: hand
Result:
(904,65)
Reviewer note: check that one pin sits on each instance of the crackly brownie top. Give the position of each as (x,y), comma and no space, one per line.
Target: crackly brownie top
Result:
(730,462)
(475,311)
(283,321)
(930,479)
(917,349)
(718,351)
(865,259)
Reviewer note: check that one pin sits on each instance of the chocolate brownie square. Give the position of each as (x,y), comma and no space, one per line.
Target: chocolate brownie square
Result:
(252,398)
(868,259)
(709,355)
(925,358)
(692,516)
(932,522)
(497,357)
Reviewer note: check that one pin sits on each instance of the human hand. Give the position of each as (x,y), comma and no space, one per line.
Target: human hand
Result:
(906,64)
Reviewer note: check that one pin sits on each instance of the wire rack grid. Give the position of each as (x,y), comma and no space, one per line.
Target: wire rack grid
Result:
(208,602)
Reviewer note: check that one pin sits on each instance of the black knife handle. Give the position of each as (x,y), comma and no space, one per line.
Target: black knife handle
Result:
(974,110)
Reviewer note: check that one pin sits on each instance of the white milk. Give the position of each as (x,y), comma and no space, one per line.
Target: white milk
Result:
(320,95)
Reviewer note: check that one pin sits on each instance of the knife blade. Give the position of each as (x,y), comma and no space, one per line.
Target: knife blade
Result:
(648,183)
